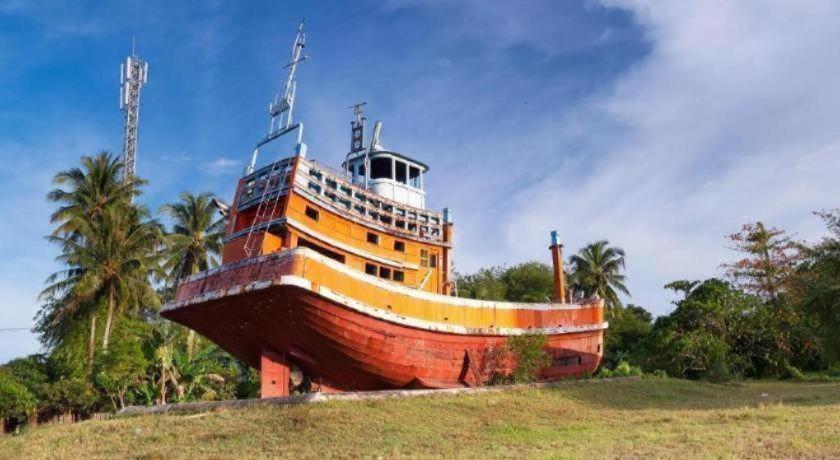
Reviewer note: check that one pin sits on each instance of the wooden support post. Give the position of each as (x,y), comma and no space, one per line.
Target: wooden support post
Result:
(274,374)
(557,261)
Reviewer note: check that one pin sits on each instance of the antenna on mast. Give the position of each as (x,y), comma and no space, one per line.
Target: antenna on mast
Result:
(357,133)
(280,109)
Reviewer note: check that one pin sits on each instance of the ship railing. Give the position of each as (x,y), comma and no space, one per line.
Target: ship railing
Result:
(254,184)
(328,184)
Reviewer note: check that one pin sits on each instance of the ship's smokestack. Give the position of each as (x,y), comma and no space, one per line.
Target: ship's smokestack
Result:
(557,261)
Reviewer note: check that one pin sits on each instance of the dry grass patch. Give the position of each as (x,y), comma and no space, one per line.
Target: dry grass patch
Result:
(655,417)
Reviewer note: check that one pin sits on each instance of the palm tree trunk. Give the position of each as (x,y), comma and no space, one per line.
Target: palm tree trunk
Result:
(190,345)
(91,344)
(162,380)
(109,319)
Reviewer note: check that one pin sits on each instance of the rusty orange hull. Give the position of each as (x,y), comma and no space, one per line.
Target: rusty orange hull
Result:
(280,304)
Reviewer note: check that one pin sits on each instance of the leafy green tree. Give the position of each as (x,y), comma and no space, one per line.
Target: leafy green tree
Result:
(30,371)
(820,280)
(16,402)
(123,367)
(626,336)
(69,396)
(485,284)
(529,282)
(597,269)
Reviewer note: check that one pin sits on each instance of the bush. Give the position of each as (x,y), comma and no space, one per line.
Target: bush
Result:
(528,353)
(623,369)
(73,395)
(16,402)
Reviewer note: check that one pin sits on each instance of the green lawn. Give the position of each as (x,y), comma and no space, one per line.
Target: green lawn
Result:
(638,418)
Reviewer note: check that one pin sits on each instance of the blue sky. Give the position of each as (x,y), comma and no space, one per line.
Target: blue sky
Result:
(658,126)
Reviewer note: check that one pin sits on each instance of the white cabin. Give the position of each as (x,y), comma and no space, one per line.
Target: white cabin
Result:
(392,175)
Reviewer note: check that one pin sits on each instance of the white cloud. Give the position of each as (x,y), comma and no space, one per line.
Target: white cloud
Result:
(730,118)
(222,165)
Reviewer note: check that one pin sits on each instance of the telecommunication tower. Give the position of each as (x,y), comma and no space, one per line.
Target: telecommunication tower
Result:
(133,75)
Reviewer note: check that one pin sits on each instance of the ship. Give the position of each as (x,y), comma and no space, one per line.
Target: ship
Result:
(341,279)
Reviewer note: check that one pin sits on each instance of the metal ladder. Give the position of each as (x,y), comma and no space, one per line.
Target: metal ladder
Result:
(267,207)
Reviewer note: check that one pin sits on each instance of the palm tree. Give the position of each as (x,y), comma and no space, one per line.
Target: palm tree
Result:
(195,242)
(196,239)
(110,260)
(83,196)
(93,188)
(596,269)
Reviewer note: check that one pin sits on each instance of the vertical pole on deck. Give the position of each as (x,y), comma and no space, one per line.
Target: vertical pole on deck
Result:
(557,262)
(446,259)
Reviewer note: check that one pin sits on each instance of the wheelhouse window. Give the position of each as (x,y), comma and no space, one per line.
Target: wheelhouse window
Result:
(414,177)
(372,238)
(401,172)
(380,168)
(311,213)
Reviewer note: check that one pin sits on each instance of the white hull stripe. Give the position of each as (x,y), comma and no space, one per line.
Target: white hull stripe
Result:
(394,287)
(391,317)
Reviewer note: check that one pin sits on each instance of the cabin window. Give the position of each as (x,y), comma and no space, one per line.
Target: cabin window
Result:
(370,269)
(433,260)
(399,276)
(401,172)
(385,272)
(424,258)
(361,170)
(414,176)
(372,238)
(399,246)
(311,213)
(380,168)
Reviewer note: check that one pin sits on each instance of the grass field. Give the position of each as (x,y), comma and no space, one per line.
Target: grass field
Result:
(638,418)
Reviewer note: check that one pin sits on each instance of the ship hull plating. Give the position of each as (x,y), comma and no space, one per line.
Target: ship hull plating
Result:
(342,344)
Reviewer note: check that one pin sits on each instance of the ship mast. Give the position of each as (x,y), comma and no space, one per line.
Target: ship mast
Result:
(280,110)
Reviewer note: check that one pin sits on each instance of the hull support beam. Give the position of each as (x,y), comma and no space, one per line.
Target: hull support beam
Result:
(274,374)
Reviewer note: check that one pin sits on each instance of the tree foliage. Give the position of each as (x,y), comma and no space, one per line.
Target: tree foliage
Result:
(769,260)
(597,269)
(525,282)
(16,402)
(820,285)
